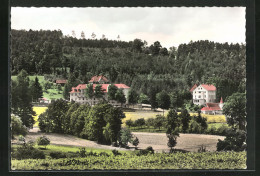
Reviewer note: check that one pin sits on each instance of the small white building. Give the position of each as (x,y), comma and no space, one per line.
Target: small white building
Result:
(203,94)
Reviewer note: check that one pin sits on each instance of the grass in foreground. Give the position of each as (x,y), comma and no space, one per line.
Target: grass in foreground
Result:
(151,114)
(206,160)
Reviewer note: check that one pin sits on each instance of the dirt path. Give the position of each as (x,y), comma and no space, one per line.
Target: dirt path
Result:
(189,142)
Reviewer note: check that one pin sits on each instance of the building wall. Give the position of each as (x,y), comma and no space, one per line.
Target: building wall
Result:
(201,96)
(82,99)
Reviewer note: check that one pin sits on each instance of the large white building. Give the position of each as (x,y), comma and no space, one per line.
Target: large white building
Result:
(77,94)
(205,95)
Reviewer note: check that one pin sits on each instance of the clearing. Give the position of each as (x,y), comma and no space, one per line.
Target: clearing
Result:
(189,142)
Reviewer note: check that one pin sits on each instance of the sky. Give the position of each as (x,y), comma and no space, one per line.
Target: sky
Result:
(170,26)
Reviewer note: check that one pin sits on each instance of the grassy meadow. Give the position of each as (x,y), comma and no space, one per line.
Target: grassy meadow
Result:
(190,160)
(52,93)
(38,110)
(151,114)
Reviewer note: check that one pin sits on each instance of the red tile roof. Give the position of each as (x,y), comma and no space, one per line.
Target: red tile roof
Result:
(61,81)
(104,87)
(80,86)
(209,87)
(194,87)
(221,100)
(121,86)
(98,79)
(211,107)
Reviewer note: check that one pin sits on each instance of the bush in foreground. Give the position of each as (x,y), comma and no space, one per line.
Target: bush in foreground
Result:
(43,140)
(27,151)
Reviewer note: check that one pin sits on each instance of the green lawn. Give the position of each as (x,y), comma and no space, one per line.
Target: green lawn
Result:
(190,160)
(52,93)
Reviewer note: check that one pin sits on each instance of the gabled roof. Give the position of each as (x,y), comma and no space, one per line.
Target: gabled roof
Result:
(194,87)
(211,107)
(80,86)
(61,81)
(209,87)
(104,87)
(98,79)
(121,86)
(221,100)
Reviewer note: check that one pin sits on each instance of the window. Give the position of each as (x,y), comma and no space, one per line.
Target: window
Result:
(199,92)
(199,96)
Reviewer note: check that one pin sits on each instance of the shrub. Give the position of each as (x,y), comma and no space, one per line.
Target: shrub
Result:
(135,142)
(148,150)
(140,122)
(211,130)
(223,130)
(17,127)
(235,140)
(202,148)
(57,155)
(125,137)
(43,140)
(116,152)
(82,152)
(194,127)
(27,151)
(103,154)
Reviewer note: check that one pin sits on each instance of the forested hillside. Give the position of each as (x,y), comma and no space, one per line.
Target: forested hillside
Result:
(144,68)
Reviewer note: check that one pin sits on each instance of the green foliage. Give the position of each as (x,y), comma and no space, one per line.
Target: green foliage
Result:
(125,137)
(43,140)
(163,100)
(235,141)
(159,121)
(139,122)
(103,123)
(112,92)
(57,155)
(89,91)
(98,93)
(202,121)
(132,96)
(120,96)
(21,99)
(36,90)
(17,127)
(185,119)
(194,127)
(235,110)
(52,119)
(172,131)
(204,160)
(143,99)
(77,119)
(135,142)
(129,123)
(116,152)
(27,151)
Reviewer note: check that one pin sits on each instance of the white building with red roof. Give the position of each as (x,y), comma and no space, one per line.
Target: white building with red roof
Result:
(99,80)
(213,108)
(204,93)
(77,94)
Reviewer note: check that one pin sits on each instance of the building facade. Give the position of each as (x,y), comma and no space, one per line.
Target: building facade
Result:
(77,94)
(203,94)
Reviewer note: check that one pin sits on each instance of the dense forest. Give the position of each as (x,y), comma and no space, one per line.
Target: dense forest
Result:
(144,68)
